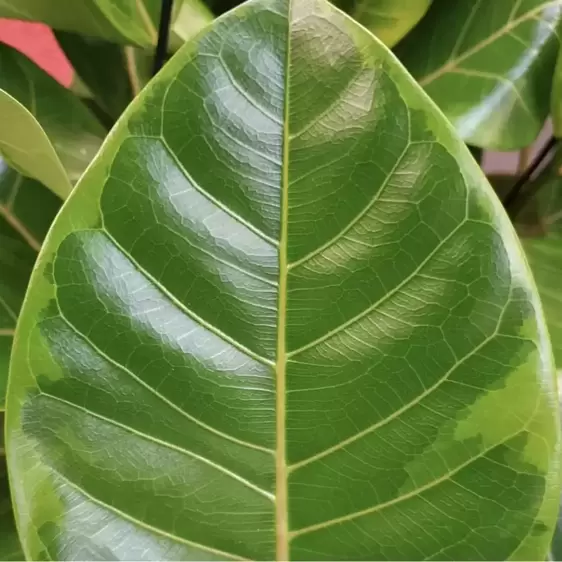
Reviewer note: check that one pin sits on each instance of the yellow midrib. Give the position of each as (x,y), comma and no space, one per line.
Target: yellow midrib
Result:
(281,501)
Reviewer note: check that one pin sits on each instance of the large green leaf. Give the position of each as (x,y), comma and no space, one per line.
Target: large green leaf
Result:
(389,20)
(488,65)
(283,315)
(73,131)
(26,212)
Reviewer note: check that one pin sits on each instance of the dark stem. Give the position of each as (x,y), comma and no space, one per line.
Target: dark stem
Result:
(513,194)
(163,36)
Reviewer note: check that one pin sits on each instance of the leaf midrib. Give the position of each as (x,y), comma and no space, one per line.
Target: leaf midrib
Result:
(281,493)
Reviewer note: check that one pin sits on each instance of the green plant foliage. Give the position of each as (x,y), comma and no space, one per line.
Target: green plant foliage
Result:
(389,20)
(10,548)
(556,99)
(249,337)
(122,21)
(26,212)
(543,246)
(25,145)
(107,70)
(488,65)
(73,131)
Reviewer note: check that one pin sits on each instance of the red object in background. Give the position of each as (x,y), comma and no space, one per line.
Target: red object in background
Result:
(37,42)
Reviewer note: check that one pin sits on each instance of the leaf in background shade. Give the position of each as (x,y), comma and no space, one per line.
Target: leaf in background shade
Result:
(10,548)
(556,98)
(103,68)
(389,20)
(73,131)
(26,146)
(283,301)
(26,212)
(544,252)
(120,21)
(488,65)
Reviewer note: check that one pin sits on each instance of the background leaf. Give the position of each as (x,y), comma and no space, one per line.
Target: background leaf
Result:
(488,65)
(389,20)
(104,69)
(10,548)
(120,21)
(27,147)
(556,100)
(247,323)
(73,131)
(26,212)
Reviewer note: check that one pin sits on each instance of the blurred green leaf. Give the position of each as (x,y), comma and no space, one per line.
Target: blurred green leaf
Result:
(10,548)
(71,128)
(26,211)
(103,68)
(25,145)
(556,99)
(488,65)
(121,21)
(389,20)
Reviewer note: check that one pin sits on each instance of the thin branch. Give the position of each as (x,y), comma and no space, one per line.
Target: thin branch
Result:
(163,36)
(513,195)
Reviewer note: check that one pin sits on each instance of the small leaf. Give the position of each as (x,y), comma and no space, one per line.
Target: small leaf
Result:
(283,315)
(26,212)
(26,146)
(488,65)
(73,131)
(389,20)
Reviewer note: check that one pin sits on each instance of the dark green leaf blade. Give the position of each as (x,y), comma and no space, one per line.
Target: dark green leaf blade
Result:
(73,131)
(389,20)
(26,211)
(488,65)
(10,548)
(103,68)
(283,315)
(121,21)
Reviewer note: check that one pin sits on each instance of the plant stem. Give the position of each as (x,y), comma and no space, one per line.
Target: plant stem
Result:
(512,196)
(163,36)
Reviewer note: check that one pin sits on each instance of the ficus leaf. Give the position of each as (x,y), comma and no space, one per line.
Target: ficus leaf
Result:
(72,130)
(10,548)
(283,315)
(556,98)
(488,65)
(26,211)
(389,20)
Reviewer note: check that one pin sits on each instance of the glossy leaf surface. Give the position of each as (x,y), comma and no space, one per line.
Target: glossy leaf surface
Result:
(73,131)
(556,548)
(488,65)
(389,20)
(26,212)
(283,315)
